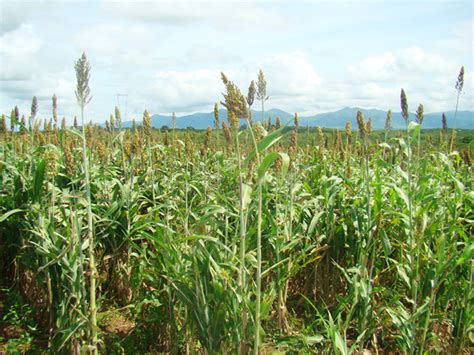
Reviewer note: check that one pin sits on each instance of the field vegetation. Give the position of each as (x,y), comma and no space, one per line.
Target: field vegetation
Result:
(249,237)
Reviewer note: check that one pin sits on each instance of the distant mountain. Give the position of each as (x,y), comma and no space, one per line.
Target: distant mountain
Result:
(336,119)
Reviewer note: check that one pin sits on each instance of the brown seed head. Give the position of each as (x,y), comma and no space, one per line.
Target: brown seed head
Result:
(227,134)
(147,126)
(348,129)
(277,122)
(361,124)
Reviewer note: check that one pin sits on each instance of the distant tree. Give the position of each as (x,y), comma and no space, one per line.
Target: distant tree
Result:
(164,128)
(75,122)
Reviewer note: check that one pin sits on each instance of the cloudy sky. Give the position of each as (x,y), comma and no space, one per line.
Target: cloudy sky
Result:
(166,55)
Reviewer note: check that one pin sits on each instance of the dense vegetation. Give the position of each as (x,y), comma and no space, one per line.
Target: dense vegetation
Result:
(234,240)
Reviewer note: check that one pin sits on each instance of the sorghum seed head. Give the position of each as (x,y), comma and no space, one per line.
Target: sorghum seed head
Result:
(348,129)
(147,126)
(444,121)
(419,114)
(227,134)
(404,105)
(460,82)
(361,124)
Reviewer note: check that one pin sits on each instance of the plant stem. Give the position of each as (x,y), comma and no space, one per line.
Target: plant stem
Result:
(242,247)
(90,237)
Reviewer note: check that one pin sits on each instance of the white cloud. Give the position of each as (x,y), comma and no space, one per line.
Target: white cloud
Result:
(167,55)
(43,86)
(427,77)
(291,79)
(18,49)
(117,44)
(290,74)
(188,90)
(219,13)
(402,64)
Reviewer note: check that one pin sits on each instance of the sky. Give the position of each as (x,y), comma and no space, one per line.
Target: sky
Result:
(166,56)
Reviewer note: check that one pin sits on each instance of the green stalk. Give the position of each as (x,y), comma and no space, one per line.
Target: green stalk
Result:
(453,132)
(90,237)
(288,234)
(150,171)
(243,232)
(413,252)
(259,247)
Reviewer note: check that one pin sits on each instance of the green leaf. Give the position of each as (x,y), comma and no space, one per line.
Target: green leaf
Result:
(314,339)
(75,133)
(402,194)
(246,195)
(268,141)
(269,159)
(38,180)
(415,127)
(314,220)
(467,254)
(8,214)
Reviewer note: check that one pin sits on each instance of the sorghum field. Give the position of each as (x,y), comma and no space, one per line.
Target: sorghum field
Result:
(270,238)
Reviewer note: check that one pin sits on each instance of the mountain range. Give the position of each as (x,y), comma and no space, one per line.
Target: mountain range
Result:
(335,119)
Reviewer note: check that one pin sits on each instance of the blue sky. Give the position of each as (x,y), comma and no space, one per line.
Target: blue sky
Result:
(166,55)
